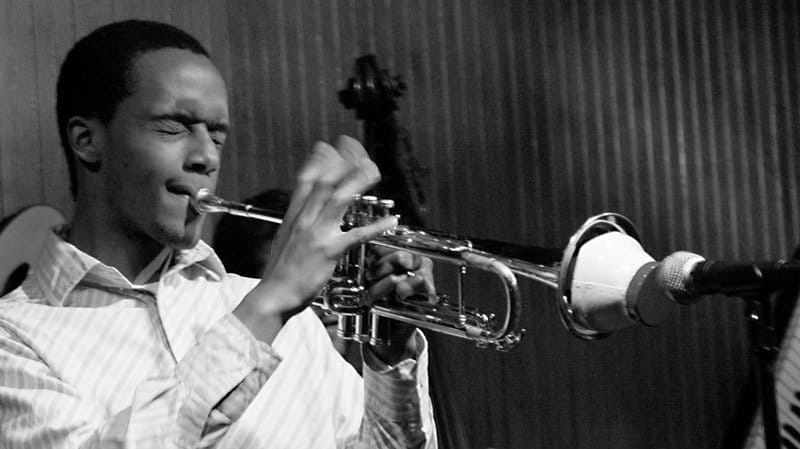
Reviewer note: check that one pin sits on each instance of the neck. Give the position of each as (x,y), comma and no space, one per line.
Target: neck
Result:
(96,233)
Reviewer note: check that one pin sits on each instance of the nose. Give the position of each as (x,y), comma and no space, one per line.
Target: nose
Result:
(203,156)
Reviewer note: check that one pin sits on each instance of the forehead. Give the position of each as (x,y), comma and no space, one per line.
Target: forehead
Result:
(176,80)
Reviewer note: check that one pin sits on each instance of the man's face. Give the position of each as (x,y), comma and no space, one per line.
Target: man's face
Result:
(162,143)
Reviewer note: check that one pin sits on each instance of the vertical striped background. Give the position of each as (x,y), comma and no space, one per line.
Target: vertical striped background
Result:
(531,116)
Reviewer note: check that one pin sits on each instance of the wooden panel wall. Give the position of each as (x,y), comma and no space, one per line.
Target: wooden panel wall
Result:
(532,116)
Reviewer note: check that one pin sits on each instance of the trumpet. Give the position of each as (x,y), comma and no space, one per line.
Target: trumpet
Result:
(358,315)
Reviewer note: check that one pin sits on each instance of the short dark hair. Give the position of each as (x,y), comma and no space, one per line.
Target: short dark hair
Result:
(95,75)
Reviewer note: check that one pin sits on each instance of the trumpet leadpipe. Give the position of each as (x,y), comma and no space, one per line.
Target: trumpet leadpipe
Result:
(205,202)
(437,245)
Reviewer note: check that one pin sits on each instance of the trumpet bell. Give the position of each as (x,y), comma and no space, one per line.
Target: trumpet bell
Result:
(606,282)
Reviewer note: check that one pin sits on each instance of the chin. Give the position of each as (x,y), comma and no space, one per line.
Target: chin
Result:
(177,237)
(177,231)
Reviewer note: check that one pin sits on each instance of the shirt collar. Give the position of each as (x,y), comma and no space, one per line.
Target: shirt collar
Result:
(201,257)
(61,266)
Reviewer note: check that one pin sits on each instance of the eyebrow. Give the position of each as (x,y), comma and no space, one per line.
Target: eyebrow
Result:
(183,117)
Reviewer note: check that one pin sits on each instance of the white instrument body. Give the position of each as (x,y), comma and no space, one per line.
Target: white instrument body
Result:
(787,391)
(21,238)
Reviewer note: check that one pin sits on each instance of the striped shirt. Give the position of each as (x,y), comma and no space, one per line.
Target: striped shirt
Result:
(787,392)
(89,359)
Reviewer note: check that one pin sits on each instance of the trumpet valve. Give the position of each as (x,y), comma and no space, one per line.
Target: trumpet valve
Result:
(349,326)
(369,204)
(385,207)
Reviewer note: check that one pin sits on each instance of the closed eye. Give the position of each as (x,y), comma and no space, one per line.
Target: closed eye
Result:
(218,137)
(170,127)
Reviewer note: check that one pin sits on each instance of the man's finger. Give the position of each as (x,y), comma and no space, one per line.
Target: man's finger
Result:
(395,262)
(350,149)
(322,156)
(352,183)
(354,153)
(404,286)
(364,234)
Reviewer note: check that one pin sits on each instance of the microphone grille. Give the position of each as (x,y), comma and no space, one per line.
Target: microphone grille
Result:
(673,276)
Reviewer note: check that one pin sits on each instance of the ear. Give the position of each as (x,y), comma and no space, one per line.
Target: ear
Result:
(85,141)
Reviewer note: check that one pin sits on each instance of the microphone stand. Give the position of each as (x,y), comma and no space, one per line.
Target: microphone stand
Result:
(765,350)
(756,282)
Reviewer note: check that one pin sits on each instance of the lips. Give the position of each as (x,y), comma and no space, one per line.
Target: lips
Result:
(181,188)
(188,190)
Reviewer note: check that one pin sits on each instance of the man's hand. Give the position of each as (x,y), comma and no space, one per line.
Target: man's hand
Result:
(310,241)
(402,274)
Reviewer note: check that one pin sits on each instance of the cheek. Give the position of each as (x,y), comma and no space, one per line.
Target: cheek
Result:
(144,167)
(129,175)
(138,156)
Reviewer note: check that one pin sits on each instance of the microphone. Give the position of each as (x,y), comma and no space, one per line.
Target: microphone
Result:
(688,277)
(616,284)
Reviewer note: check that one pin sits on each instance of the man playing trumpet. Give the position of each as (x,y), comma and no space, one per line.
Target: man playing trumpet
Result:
(129,333)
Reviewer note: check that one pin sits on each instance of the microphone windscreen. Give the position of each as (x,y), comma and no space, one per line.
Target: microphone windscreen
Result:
(674,275)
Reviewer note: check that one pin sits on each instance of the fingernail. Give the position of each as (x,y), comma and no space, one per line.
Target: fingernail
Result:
(399,277)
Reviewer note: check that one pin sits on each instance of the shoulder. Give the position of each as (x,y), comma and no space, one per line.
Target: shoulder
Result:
(13,297)
(21,296)
(18,315)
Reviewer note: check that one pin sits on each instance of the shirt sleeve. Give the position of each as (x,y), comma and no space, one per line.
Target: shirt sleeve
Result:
(220,375)
(397,406)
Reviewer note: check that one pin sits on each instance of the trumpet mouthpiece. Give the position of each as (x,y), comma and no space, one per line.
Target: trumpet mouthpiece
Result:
(200,200)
